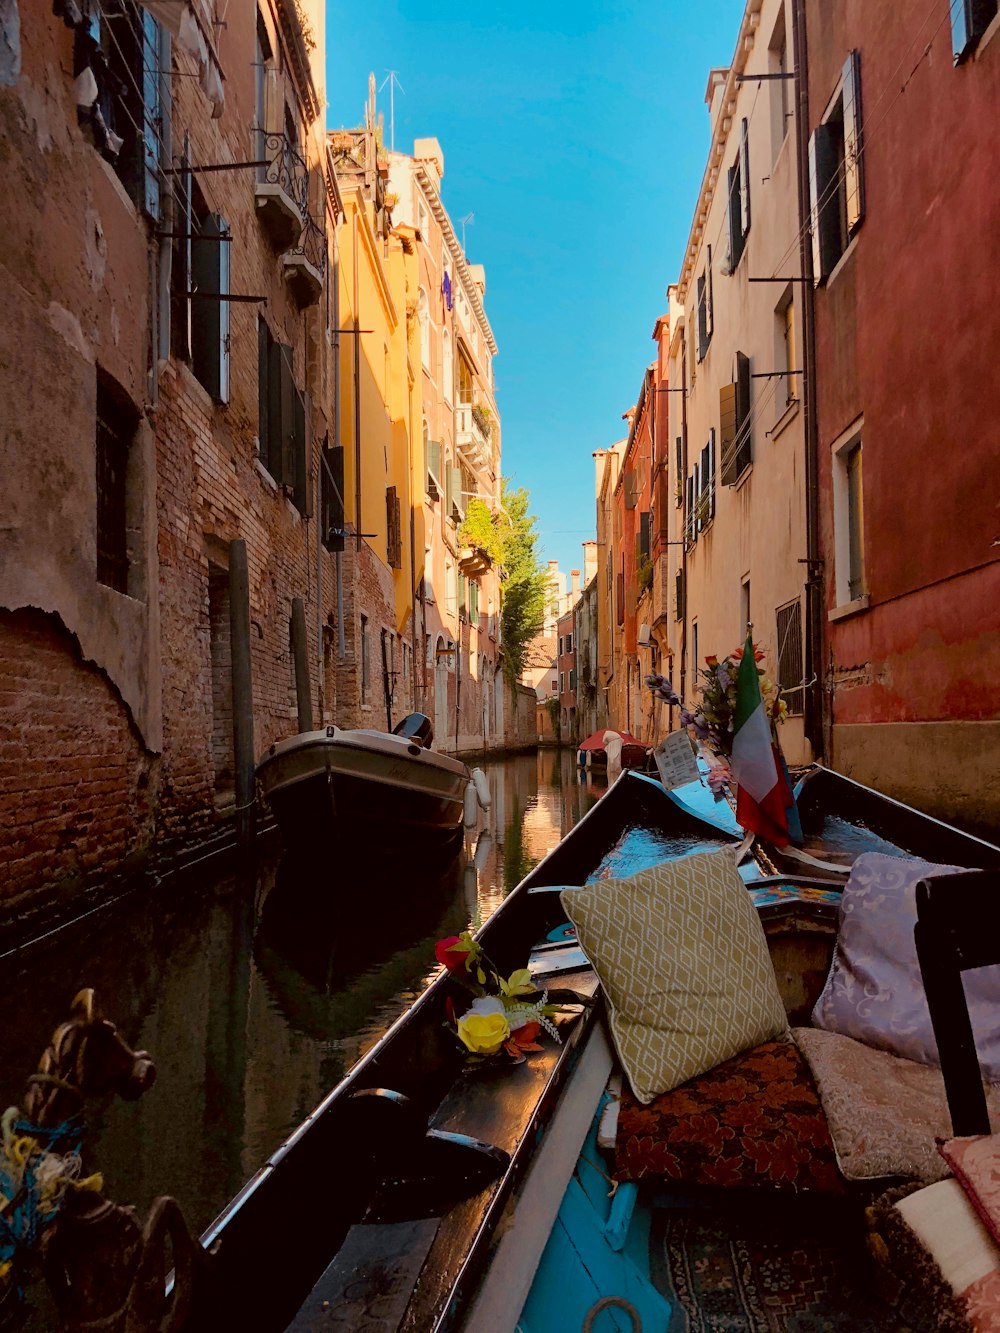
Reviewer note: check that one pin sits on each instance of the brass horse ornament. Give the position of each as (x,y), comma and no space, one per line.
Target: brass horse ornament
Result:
(105,1271)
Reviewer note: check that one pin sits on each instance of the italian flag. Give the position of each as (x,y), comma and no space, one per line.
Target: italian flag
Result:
(763,796)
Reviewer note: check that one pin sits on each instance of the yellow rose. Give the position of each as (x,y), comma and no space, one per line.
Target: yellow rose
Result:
(483,1034)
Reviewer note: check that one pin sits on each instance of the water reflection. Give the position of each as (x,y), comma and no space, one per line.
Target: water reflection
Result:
(255,1003)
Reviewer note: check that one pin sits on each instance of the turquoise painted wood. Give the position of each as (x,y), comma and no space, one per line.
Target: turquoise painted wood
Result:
(585,1260)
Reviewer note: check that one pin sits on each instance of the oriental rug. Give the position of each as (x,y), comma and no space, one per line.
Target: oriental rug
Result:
(748,1269)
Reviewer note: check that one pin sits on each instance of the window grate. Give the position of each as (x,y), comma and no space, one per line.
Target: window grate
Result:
(790,669)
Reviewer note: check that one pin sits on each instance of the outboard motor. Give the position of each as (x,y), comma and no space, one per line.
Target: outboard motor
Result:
(416,727)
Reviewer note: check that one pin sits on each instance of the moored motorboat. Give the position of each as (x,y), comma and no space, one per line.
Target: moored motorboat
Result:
(379,791)
(436,1190)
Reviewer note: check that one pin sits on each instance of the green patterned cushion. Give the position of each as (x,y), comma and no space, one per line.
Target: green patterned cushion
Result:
(682,958)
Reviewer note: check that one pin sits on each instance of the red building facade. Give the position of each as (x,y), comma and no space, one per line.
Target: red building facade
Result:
(904,138)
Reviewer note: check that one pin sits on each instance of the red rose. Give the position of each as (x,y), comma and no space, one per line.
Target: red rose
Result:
(453,959)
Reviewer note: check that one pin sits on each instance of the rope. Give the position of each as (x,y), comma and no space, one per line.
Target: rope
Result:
(606,1303)
(38,1164)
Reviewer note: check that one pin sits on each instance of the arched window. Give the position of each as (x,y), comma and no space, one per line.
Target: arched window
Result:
(424,313)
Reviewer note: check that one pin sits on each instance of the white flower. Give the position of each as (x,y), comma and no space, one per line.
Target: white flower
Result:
(487,1004)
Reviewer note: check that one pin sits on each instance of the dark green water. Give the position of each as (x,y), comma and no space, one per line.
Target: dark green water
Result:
(253,1005)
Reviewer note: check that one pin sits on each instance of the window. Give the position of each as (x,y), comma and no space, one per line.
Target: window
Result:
(791,676)
(281,417)
(473,602)
(569,643)
(739,200)
(562,682)
(969,20)
(333,519)
(679,595)
(572,681)
(643,538)
(466,380)
(424,315)
(679,470)
(365,660)
(447,367)
(210,246)
(705,313)
(462,604)
(780,84)
(836,173)
(432,450)
(848,519)
(559,650)
(735,423)
(785,355)
(123,51)
(116,423)
(745,618)
(555,687)
(263,79)
(394,535)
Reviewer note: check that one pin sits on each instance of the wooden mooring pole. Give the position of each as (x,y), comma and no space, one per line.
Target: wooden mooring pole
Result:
(239,631)
(300,654)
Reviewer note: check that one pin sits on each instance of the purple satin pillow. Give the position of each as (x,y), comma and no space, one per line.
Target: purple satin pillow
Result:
(874,992)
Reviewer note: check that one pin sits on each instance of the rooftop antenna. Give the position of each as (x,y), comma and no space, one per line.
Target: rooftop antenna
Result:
(392,80)
(466,221)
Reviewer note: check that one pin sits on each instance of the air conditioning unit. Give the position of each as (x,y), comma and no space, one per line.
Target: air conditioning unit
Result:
(644,636)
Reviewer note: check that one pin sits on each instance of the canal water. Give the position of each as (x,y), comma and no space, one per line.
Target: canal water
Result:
(254,1003)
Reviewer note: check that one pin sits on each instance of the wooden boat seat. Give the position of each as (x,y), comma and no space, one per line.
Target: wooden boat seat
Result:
(958,928)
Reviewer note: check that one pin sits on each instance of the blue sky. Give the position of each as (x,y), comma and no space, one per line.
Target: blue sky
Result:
(577,135)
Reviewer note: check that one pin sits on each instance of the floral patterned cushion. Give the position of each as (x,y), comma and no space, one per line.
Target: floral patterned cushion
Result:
(874,991)
(754,1120)
(976,1163)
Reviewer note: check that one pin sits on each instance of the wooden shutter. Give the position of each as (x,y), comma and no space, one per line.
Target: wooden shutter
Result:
(210,315)
(644,535)
(823,202)
(434,469)
(689,523)
(679,595)
(679,472)
(709,304)
(702,319)
(734,189)
(455,505)
(744,427)
(744,178)
(263,392)
(727,434)
(854,177)
(281,415)
(394,539)
(334,519)
(149,47)
(300,454)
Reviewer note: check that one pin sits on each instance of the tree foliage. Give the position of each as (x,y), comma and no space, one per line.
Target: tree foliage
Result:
(510,539)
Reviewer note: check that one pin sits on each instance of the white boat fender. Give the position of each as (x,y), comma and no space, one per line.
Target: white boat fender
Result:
(482,786)
(471,805)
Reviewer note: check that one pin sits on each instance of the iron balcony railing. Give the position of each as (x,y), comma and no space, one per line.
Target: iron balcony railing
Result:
(285,166)
(312,244)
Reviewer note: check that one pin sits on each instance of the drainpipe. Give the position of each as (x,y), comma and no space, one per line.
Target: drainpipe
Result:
(338,439)
(813,693)
(682,691)
(357,391)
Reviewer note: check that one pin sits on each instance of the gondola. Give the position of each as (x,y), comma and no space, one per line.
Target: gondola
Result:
(424,1193)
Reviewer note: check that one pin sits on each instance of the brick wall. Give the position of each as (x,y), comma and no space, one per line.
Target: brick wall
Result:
(76,786)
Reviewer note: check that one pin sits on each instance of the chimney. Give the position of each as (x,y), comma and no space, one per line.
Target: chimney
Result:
(589,561)
(575,584)
(553,565)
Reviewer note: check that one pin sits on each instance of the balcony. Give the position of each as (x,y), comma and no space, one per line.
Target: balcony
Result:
(472,562)
(305,265)
(474,435)
(282,189)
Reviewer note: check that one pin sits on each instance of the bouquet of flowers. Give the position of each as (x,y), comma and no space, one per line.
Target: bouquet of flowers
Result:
(713,719)
(507,1014)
